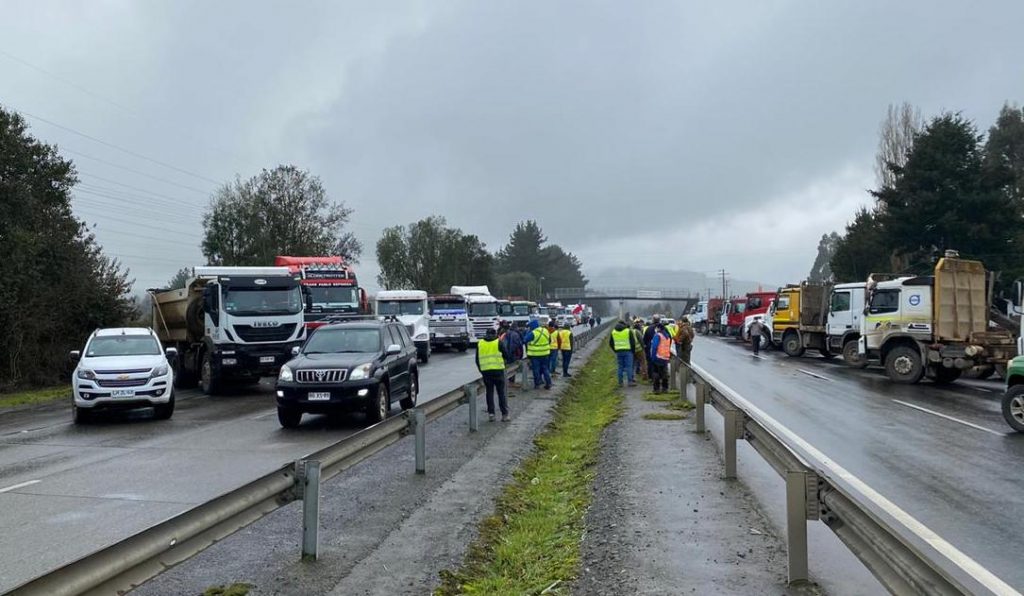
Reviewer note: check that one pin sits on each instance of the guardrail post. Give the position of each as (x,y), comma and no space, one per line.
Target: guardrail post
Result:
(310,510)
(732,419)
(796,525)
(523,369)
(420,423)
(673,370)
(700,399)
(469,390)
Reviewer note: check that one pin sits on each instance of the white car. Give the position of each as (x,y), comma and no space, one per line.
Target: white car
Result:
(121,369)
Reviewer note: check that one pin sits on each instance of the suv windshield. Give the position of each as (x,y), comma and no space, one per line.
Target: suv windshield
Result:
(399,307)
(334,296)
(333,341)
(262,301)
(122,345)
(483,309)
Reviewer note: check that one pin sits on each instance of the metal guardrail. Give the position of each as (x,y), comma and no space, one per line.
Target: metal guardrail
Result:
(903,554)
(130,562)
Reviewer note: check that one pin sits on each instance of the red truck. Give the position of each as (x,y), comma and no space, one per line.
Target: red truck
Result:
(735,309)
(758,303)
(332,285)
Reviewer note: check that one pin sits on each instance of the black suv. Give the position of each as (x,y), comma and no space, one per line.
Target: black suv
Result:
(355,365)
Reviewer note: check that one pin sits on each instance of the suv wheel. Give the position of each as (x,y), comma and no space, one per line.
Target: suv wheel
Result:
(164,411)
(409,403)
(289,417)
(1013,407)
(80,415)
(378,410)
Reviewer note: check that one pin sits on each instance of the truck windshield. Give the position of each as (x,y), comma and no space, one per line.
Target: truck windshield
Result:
(122,345)
(399,307)
(505,310)
(262,301)
(447,306)
(783,303)
(884,301)
(739,307)
(483,309)
(334,341)
(840,301)
(334,296)
(521,310)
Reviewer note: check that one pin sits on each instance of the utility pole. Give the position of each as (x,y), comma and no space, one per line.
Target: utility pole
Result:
(724,294)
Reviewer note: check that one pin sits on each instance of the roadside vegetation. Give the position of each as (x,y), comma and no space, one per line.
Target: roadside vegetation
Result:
(236,589)
(34,397)
(531,544)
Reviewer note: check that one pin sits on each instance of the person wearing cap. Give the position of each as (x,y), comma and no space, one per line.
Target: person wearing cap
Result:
(563,341)
(684,339)
(490,361)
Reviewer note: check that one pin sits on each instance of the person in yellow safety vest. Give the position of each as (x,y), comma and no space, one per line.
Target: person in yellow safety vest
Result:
(671,328)
(553,334)
(661,354)
(538,352)
(639,358)
(563,340)
(490,361)
(622,343)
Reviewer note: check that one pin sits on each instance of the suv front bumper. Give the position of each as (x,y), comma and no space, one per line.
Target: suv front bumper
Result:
(347,396)
(89,394)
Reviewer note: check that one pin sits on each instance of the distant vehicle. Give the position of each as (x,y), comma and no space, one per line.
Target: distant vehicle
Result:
(449,322)
(505,310)
(522,312)
(846,307)
(482,308)
(332,285)
(1013,397)
(353,365)
(705,316)
(800,319)
(122,369)
(732,317)
(409,307)
(230,324)
(758,304)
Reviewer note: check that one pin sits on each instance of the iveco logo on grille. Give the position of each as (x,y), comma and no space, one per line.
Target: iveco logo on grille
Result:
(266,323)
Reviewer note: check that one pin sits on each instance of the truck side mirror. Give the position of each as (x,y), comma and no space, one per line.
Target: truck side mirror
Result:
(308,296)
(211,303)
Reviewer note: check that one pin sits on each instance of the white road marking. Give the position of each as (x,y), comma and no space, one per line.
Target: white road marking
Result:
(833,469)
(270,413)
(951,418)
(759,356)
(17,486)
(982,389)
(813,374)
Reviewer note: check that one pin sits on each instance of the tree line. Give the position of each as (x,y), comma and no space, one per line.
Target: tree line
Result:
(941,184)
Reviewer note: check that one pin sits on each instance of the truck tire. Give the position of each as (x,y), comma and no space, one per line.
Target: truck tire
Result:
(791,345)
(944,376)
(1013,407)
(852,357)
(409,402)
(183,377)
(903,365)
(377,410)
(463,347)
(164,411)
(207,382)
(289,417)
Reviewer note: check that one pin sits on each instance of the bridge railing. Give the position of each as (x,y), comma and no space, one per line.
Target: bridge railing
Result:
(626,293)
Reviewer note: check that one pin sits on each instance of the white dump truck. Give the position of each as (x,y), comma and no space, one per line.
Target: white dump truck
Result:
(410,308)
(230,324)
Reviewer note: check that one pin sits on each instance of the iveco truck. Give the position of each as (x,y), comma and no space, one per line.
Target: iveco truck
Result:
(230,324)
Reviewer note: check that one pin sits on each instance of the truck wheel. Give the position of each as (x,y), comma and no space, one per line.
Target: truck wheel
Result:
(791,345)
(183,378)
(852,357)
(378,409)
(943,375)
(207,383)
(1013,407)
(903,365)
(409,402)
(423,355)
(463,347)
(164,411)
(289,417)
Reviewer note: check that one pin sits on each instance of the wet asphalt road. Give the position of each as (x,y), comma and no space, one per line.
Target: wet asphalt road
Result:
(79,488)
(953,467)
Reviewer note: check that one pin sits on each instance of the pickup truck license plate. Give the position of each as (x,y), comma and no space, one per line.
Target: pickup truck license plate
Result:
(319,396)
(266,359)
(122,393)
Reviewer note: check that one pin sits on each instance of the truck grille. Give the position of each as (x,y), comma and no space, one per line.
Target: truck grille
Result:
(320,375)
(121,383)
(248,333)
(480,327)
(448,328)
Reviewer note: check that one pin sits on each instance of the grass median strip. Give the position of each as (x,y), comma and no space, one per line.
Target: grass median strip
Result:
(35,396)
(532,542)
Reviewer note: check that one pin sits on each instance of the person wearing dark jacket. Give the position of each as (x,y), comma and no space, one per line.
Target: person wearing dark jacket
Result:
(538,351)
(490,361)
(648,339)
(622,343)
(660,355)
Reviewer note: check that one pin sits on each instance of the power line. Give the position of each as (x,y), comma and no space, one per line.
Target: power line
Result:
(134,171)
(173,207)
(141,225)
(129,186)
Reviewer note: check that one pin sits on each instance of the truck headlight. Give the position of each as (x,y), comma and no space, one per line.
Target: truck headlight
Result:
(159,371)
(86,374)
(420,336)
(361,372)
(285,374)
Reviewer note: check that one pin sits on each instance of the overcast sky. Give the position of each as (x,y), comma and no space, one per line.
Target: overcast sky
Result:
(648,134)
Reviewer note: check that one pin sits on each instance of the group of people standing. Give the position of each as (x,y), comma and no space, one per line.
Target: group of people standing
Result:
(503,346)
(645,349)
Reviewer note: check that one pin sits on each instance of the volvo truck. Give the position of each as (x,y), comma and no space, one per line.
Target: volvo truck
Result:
(449,322)
(230,324)
(481,307)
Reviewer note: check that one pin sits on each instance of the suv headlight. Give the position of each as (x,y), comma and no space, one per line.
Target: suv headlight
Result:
(285,374)
(86,374)
(361,372)
(159,371)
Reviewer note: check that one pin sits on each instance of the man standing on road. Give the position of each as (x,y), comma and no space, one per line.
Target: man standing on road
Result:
(564,344)
(621,342)
(639,359)
(660,355)
(490,361)
(756,330)
(511,347)
(648,339)
(684,340)
(553,357)
(590,322)
(538,351)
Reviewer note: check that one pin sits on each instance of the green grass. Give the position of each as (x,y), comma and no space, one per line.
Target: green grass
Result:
(532,541)
(34,396)
(664,416)
(664,397)
(236,589)
(679,404)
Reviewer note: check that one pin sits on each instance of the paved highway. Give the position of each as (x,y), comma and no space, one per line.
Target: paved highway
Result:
(67,490)
(941,453)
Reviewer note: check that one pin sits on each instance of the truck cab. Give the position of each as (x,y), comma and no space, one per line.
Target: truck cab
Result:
(408,307)
(732,317)
(523,311)
(449,322)
(332,286)
(846,307)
